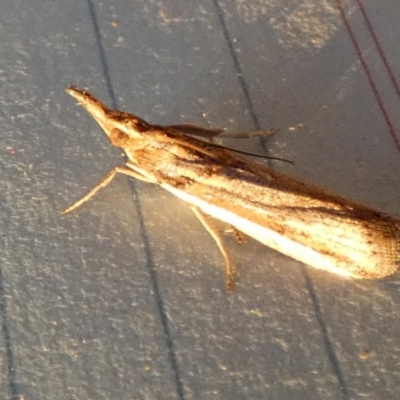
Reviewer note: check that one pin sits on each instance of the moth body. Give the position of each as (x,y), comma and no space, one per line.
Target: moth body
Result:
(298,219)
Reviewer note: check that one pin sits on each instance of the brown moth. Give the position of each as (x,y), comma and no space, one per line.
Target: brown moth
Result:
(298,219)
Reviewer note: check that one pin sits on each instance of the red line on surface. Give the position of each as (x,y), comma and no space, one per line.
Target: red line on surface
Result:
(379,47)
(369,75)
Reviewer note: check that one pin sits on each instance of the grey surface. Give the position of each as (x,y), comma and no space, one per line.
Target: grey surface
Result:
(125,298)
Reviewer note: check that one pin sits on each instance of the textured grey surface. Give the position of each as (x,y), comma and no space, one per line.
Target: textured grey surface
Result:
(125,298)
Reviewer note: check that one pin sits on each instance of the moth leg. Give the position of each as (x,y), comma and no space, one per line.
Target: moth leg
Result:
(213,231)
(195,130)
(103,183)
(246,135)
(238,235)
(213,133)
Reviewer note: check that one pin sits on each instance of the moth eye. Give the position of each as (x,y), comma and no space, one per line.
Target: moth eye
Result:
(118,138)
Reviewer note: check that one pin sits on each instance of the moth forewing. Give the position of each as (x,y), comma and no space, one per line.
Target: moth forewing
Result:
(344,250)
(300,220)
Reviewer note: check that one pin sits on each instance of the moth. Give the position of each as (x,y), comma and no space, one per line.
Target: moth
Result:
(300,220)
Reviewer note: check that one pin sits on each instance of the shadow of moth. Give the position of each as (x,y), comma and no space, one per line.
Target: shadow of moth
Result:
(298,219)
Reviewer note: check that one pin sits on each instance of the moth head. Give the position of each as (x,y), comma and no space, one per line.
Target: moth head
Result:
(119,126)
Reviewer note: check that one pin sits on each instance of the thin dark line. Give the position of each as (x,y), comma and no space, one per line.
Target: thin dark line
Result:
(325,335)
(12,385)
(145,239)
(368,75)
(158,296)
(237,66)
(103,58)
(379,47)
(317,308)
